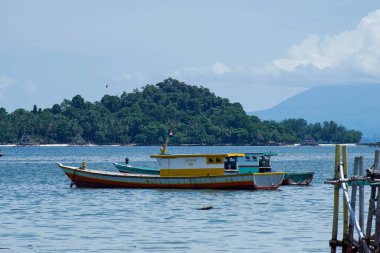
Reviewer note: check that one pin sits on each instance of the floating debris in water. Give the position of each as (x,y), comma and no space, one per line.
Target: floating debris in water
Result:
(206,208)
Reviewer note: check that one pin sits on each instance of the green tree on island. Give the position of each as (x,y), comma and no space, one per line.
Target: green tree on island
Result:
(144,117)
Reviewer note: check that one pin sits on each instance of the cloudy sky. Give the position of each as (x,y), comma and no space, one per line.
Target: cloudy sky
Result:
(258,53)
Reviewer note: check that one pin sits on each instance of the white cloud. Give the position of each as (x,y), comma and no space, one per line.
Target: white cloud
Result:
(220,69)
(346,57)
(5,82)
(357,49)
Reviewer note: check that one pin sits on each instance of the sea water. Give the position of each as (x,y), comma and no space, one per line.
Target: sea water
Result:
(39,212)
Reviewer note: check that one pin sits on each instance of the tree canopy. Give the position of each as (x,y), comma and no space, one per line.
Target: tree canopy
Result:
(144,117)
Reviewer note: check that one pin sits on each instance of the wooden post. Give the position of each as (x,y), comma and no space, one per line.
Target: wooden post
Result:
(371,210)
(361,193)
(345,209)
(361,197)
(377,207)
(376,162)
(377,213)
(353,204)
(372,200)
(333,241)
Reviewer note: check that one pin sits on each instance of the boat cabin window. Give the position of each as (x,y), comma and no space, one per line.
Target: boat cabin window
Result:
(230,163)
(214,160)
(250,156)
(264,162)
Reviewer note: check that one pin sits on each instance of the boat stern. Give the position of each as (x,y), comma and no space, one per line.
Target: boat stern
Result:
(268,180)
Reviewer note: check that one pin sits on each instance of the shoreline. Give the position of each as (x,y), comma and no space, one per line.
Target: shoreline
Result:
(182,145)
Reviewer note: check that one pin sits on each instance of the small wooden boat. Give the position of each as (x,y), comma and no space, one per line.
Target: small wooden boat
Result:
(127,168)
(248,163)
(182,171)
(301,178)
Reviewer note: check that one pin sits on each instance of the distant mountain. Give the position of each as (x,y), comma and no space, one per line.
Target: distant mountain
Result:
(353,106)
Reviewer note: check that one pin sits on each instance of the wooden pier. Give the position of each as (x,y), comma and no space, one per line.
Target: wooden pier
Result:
(368,241)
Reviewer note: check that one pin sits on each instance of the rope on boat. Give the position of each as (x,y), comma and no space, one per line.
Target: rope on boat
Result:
(352,213)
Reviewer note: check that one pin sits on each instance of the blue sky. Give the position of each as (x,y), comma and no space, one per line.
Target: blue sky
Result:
(258,53)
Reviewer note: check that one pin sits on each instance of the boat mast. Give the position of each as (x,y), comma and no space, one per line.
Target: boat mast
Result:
(163,149)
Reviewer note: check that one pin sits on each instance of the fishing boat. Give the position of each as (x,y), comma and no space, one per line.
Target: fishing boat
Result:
(261,162)
(298,178)
(248,163)
(177,171)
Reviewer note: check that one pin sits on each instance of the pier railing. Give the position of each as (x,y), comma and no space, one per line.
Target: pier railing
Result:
(366,242)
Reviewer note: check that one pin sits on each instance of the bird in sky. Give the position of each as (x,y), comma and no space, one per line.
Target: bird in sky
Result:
(106,85)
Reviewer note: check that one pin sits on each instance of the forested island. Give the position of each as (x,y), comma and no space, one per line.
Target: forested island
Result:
(144,117)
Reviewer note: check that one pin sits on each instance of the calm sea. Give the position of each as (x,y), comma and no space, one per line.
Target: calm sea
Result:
(39,212)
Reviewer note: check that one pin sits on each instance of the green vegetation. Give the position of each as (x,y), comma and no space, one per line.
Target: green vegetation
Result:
(144,117)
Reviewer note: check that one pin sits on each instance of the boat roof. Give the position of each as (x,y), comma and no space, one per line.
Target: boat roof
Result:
(196,155)
(261,153)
